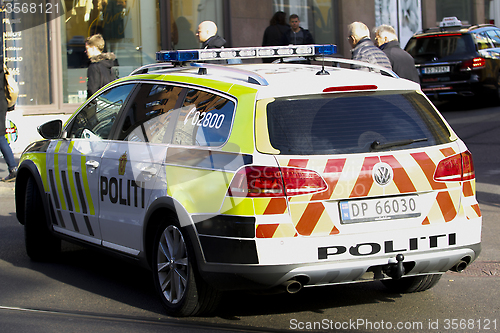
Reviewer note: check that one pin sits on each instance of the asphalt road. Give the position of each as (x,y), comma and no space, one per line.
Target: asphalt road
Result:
(86,292)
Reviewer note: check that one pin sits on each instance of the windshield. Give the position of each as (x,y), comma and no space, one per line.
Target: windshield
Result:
(439,46)
(354,123)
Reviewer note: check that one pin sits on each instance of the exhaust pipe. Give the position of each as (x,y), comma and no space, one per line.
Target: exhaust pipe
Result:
(460,266)
(292,286)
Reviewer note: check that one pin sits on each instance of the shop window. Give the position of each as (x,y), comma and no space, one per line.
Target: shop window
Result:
(187,15)
(316,16)
(130,29)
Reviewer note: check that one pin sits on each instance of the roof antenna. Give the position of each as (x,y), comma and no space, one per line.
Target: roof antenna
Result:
(323,71)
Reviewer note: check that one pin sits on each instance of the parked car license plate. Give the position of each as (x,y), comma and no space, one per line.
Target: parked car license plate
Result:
(380,209)
(436,69)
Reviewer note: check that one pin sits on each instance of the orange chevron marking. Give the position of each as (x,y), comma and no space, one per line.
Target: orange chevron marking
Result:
(365,179)
(266,230)
(310,218)
(448,151)
(298,163)
(446,205)
(428,167)
(332,172)
(334,231)
(426,221)
(276,206)
(401,179)
(476,208)
(467,190)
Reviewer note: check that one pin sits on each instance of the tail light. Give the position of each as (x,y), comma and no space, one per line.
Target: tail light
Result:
(471,64)
(262,181)
(458,167)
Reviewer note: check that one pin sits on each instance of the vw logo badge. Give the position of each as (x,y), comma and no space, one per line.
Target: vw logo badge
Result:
(382,173)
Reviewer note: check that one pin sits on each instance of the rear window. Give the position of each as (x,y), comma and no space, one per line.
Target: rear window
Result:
(353,123)
(436,47)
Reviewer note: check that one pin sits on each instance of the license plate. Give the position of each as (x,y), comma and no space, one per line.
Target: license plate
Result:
(436,70)
(371,210)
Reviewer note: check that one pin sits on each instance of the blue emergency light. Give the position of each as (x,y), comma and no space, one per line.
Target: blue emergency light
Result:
(246,53)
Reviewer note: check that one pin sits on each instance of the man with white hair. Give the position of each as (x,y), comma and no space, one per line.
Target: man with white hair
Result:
(363,48)
(402,62)
(207,35)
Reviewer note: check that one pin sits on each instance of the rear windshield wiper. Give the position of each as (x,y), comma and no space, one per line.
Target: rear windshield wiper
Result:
(376,145)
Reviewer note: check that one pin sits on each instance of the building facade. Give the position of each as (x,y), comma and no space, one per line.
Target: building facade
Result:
(44,43)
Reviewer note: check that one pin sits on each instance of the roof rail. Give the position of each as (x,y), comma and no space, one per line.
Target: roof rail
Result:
(383,70)
(252,76)
(152,67)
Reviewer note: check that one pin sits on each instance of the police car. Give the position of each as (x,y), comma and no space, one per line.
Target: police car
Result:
(255,177)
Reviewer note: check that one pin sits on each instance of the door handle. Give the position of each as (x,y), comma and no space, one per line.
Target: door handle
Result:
(92,164)
(149,170)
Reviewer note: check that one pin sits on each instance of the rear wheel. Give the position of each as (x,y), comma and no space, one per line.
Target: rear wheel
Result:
(41,244)
(182,291)
(412,284)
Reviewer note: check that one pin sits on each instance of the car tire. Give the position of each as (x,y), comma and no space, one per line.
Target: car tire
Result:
(182,291)
(412,284)
(41,244)
(496,95)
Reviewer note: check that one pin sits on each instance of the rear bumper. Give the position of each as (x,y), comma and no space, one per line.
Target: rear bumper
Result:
(457,88)
(234,277)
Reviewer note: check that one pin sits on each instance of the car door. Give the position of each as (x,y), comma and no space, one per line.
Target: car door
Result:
(131,162)
(74,163)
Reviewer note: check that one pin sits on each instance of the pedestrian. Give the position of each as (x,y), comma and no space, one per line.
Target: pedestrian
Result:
(363,48)
(273,35)
(207,35)
(402,62)
(100,71)
(296,35)
(4,144)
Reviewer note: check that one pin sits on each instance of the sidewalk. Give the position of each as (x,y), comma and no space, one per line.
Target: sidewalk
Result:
(6,188)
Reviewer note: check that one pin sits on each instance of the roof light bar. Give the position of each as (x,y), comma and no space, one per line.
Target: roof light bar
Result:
(246,53)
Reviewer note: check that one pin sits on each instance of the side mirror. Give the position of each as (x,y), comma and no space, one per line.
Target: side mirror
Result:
(51,129)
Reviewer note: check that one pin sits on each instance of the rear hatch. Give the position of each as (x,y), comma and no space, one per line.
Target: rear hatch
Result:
(444,57)
(381,155)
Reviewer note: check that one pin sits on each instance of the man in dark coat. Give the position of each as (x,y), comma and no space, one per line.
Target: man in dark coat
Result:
(296,35)
(4,144)
(207,35)
(99,72)
(402,62)
(364,49)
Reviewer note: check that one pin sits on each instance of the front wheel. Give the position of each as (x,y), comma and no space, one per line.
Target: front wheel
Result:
(41,244)
(412,284)
(182,292)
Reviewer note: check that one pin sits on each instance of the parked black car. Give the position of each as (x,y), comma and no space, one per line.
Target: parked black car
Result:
(458,60)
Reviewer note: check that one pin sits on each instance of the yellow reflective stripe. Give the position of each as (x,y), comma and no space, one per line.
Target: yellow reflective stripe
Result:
(71,180)
(57,175)
(83,168)
(237,206)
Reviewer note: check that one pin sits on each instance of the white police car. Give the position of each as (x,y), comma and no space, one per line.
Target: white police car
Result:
(255,176)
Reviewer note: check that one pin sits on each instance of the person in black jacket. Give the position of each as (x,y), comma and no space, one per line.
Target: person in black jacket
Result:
(99,72)
(207,35)
(296,35)
(402,62)
(4,144)
(273,35)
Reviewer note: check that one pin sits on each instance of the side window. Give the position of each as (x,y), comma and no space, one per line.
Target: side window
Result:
(495,37)
(204,120)
(483,41)
(149,114)
(94,122)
